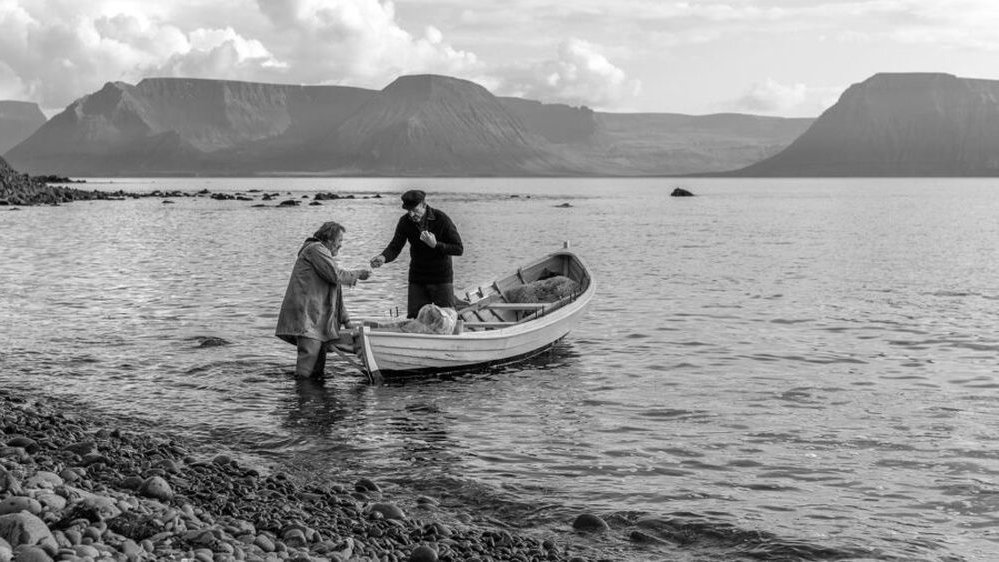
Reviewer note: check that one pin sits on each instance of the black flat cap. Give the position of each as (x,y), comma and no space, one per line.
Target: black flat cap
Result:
(412,198)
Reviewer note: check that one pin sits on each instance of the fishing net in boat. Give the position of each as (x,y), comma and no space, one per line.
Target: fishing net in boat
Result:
(431,319)
(543,290)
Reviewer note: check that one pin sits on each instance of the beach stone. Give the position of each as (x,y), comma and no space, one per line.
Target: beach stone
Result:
(14,504)
(366,485)
(264,543)
(17,454)
(85,550)
(26,443)
(74,536)
(423,553)
(102,507)
(157,488)
(294,538)
(51,501)
(44,479)
(24,528)
(680,192)
(8,483)
(95,458)
(69,475)
(31,554)
(131,550)
(388,511)
(82,448)
(132,482)
(6,551)
(222,459)
(169,465)
(587,522)
(427,501)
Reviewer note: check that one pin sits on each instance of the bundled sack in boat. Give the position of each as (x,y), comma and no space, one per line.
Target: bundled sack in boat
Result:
(543,290)
(431,319)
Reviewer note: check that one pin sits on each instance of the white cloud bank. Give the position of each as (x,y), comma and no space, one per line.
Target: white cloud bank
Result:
(787,100)
(579,75)
(54,51)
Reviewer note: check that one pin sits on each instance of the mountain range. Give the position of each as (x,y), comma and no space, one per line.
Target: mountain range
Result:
(910,124)
(417,125)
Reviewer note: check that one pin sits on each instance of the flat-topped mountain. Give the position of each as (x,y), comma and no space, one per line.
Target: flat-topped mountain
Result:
(434,125)
(18,120)
(418,125)
(176,125)
(899,125)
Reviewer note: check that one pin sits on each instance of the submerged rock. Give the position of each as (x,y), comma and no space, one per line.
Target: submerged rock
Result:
(211,341)
(589,523)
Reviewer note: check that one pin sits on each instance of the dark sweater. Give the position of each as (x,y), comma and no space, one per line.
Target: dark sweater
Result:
(427,266)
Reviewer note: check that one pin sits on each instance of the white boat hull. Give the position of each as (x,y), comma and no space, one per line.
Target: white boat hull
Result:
(394,353)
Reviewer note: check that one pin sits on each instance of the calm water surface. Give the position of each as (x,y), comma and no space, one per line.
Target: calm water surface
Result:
(797,368)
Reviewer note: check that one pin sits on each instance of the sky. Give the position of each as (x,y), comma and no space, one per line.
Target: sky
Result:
(790,58)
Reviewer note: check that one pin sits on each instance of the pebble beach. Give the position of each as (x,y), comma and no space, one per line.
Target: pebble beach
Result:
(77,487)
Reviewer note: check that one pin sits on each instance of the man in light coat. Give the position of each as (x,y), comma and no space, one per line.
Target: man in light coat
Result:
(312,312)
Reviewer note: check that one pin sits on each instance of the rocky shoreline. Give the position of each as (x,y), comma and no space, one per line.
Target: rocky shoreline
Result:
(77,487)
(21,190)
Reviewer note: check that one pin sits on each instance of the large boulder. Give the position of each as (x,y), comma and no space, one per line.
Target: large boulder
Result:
(24,528)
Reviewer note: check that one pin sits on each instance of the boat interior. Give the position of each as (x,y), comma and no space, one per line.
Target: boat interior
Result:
(496,305)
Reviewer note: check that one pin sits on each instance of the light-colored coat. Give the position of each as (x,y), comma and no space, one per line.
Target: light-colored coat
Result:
(313,302)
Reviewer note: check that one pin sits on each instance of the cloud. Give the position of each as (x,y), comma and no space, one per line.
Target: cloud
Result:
(11,87)
(58,50)
(578,75)
(357,42)
(773,98)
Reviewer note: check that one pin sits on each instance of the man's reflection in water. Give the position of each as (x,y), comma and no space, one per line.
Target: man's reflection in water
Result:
(315,408)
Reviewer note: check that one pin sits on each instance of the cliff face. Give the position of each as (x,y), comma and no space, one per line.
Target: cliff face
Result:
(177,125)
(899,125)
(18,120)
(431,124)
(418,125)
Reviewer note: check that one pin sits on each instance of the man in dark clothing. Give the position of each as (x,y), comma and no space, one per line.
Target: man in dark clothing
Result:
(433,239)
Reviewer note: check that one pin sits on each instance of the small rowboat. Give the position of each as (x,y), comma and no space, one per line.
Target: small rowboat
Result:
(491,328)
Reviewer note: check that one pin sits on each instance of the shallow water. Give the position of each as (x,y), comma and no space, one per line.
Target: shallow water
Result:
(796,368)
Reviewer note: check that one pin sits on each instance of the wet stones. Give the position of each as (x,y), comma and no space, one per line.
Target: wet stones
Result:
(365,485)
(387,511)
(157,488)
(423,553)
(15,504)
(589,523)
(82,448)
(26,443)
(149,498)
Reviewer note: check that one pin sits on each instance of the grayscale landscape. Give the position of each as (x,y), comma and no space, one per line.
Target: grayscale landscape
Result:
(685,281)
